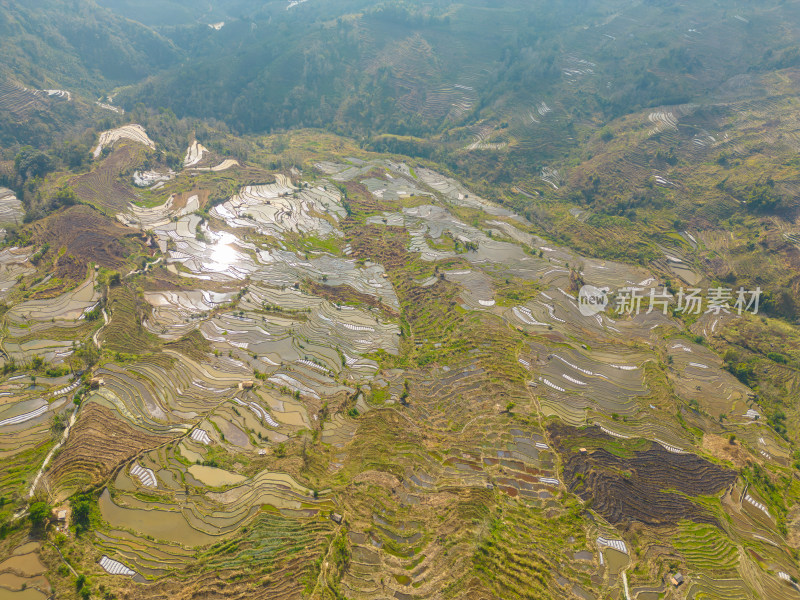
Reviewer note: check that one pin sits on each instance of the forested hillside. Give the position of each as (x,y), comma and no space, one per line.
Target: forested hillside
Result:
(76,45)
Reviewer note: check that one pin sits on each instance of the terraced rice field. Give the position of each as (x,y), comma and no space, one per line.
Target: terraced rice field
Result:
(347,366)
(22,575)
(18,100)
(134,132)
(194,154)
(14,263)
(11,210)
(639,494)
(151,179)
(47,327)
(277,208)
(102,186)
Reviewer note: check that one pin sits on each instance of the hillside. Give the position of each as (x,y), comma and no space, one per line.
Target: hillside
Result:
(419,367)
(541,75)
(76,46)
(346,300)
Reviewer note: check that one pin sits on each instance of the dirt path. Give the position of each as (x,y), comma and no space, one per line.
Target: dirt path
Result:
(52,452)
(69,566)
(97,333)
(147,267)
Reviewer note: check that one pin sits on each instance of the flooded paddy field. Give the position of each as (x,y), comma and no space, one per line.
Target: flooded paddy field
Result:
(132,132)
(375,345)
(11,210)
(276,208)
(30,323)
(22,575)
(14,263)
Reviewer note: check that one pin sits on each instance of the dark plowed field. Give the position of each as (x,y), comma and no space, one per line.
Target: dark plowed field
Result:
(653,486)
(344,294)
(88,236)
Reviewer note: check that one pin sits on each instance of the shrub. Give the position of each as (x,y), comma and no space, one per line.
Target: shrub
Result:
(778,358)
(38,514)
(81,513)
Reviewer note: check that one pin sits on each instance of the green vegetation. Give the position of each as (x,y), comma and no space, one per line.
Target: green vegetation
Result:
(340,355)
(38,515)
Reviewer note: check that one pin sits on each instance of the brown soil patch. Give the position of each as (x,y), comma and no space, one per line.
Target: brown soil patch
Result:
(98,442)
(179,200)
(719,447)
(361,199)
(379,478)
(87,236)
(344,294)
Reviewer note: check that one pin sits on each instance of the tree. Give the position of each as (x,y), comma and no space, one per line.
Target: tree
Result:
(81,513)
(38,515)
(65,196)
(89,353)
(74,154)
(82,587)
(30,162)
(58,423)
(510,406)
(280,450)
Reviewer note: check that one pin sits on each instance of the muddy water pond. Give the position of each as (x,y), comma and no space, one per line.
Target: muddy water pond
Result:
(214,477)
(189,454)
(26,565)
(616,560)
(160,524)
(26,594)
(12,582)
(26,548)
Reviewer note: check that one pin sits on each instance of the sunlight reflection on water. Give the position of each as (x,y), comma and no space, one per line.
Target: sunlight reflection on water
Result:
(223,254)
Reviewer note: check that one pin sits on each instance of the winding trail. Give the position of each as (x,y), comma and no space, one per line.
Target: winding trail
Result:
(322,577)
(97,333)
(147,267)
(69,566)
(50,454)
